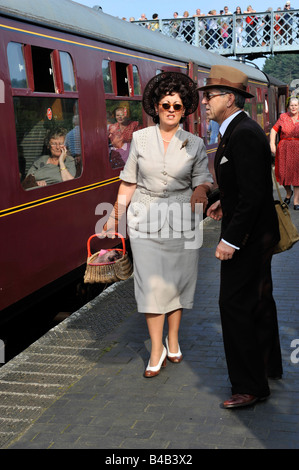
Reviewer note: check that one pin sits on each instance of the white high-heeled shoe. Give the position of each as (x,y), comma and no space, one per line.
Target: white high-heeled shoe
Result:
(155,370)
(173,357)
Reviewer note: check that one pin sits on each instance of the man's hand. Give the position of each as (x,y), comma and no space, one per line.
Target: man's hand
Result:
(215,211)
(224,251)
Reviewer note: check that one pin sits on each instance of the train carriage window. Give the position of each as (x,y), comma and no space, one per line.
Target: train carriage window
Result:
(248,108)
(260,107)
(67,69)
(122,79)
(42,69)
(44,128)
(123,118)
(16,64)
(107,76)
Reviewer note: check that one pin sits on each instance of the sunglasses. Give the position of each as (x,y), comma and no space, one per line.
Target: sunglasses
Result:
(209,96)
(176,107)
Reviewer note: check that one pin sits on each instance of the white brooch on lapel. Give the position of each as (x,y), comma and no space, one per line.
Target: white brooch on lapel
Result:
(223,160)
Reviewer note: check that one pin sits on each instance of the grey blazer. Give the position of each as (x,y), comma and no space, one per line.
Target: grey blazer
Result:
(165,181)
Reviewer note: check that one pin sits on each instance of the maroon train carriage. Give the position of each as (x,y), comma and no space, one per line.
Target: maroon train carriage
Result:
(67,66)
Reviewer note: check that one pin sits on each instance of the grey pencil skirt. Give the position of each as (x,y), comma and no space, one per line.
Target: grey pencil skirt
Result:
(165,273)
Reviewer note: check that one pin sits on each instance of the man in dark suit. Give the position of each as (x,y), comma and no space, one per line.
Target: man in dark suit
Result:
(249,233)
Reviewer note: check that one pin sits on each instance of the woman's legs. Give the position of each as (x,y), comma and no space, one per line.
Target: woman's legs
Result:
(155,324)
(288,189)
(174,321)
(296,195)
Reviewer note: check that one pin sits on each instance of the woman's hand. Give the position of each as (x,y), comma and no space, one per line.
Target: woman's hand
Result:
(199,196)
(273,149)
(62,156)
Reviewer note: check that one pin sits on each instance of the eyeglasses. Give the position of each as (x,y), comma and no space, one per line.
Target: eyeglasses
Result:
(56,145)
(209,96)
(176,107)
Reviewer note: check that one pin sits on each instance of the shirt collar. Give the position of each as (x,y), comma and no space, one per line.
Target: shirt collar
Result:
(227,121)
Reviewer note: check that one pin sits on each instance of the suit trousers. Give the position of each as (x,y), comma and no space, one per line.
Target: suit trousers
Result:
(249,320)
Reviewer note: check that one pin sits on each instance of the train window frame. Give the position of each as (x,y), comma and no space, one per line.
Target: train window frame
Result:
(55,112)
(61,118)
(124,98)
(125,79)
(56,72)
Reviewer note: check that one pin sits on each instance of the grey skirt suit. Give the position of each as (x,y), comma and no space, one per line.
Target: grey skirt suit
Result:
(164,233)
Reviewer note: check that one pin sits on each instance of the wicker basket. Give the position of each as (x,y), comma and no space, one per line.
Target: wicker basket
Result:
(114,271)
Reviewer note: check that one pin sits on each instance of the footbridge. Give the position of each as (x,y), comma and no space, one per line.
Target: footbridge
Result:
(250,35)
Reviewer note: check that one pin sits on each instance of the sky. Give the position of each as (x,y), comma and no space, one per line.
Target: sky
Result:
(165,8)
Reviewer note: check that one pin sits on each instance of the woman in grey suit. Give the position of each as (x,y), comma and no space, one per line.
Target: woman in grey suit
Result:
(165,176)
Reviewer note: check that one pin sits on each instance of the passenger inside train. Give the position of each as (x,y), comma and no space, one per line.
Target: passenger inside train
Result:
(54,167)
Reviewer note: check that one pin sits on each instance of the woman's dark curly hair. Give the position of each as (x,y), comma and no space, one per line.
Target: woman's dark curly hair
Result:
(169,87)
(168,83)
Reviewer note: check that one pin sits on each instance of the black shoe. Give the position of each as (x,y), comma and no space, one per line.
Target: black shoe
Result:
(296,207)
(287,200)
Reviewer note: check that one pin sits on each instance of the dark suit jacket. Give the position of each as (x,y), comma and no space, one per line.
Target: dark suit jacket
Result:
(243,172)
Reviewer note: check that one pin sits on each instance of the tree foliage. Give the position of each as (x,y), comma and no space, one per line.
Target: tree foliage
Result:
(284,67)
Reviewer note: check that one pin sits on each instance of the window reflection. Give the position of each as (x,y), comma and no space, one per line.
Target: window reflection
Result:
(137,86)
(67,70)
(212,131)
(107,78)
(16,65)
(123,118)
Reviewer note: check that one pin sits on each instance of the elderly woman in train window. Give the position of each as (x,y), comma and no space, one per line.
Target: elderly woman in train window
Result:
(54,167)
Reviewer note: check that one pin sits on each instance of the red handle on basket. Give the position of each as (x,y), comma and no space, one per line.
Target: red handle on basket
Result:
(98,234)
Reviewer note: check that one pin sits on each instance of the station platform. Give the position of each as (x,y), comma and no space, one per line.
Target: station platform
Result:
(81,385)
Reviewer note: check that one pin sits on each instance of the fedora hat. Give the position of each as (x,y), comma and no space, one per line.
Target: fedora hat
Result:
(225,76)
(173,80)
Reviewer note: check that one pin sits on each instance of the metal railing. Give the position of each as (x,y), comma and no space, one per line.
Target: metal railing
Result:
(249,33)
